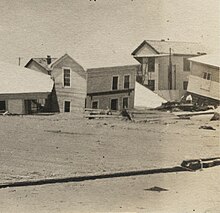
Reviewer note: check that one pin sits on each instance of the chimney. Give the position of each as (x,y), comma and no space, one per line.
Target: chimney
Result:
(48,59)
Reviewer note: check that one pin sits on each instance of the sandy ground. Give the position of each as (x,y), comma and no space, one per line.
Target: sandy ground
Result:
(40,147)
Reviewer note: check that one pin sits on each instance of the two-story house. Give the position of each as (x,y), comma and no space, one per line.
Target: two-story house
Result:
(204,82)
(164,66)
(111,87)
(69,78)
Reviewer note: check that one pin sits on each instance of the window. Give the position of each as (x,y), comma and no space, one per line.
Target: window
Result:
(207,76)
(125,103)
(66,77)
(185,84)
(186,64)
(151,64)
(151,85)
(114,104)
(66,106)
(126,81)
(2,106)
(115,83)
(95,104)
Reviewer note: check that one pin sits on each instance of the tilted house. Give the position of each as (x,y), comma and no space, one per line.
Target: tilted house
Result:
(164,66)
(204,82)
(111,87)
(69,77)
(23,91)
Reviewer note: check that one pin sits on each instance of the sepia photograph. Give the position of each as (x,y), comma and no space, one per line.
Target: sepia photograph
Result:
(109,106)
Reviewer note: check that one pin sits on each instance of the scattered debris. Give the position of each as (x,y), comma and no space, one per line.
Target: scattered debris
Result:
(67,133)
(196,164)
(6,113)
(207,127)
(215,117)
(184,117)
(176,106)
(156,189)
(127,114)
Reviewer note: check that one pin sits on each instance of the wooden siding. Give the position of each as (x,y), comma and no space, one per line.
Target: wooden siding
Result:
(198,69)
(99,86)
(15,106)
(204,87)
(100,79)
(105,100)
(24,96)
(35,66)
(76,93)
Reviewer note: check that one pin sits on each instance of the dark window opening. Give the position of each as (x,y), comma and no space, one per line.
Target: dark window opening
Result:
(95,105)
(125,103)
(114,104)
(2,106)
(186,64)
(126,81)
(209,76)
(151,85)
(115,83)
(67,106)
(185,85)
(151,64)
(66,77)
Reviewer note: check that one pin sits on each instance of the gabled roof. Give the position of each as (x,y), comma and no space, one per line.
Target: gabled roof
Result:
(57,60)
(212,60)
(15,79)
(42,62)
(178,47)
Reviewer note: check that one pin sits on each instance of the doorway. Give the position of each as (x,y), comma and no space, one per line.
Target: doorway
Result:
(114,104)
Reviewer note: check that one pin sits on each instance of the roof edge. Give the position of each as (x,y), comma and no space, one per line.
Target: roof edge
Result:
(141,45)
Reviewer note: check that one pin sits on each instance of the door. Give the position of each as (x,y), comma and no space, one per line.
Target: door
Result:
(114,104)
(66,106)
(2,106)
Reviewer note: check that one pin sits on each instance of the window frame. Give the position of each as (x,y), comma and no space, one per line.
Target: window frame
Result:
(154,84)
(187,65)
(64,105)
(117,104)
(129,82)
(5,106)
(123,102)
(207,76)
(63,81)
(97,104)
(153,70)
(186,85)
(117,82)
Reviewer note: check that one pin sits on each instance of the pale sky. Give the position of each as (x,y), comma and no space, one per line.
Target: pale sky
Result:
(101,31)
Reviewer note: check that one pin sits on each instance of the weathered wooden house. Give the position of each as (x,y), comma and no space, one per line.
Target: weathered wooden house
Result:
(111,87)
(23,91)
(69,78)
(204,82)
(164,66)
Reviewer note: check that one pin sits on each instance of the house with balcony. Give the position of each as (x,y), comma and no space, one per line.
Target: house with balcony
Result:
(111,87)
(69,91)
(204,82)
(164,66)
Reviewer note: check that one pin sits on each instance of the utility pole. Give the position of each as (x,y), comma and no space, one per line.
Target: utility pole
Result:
(170,83)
